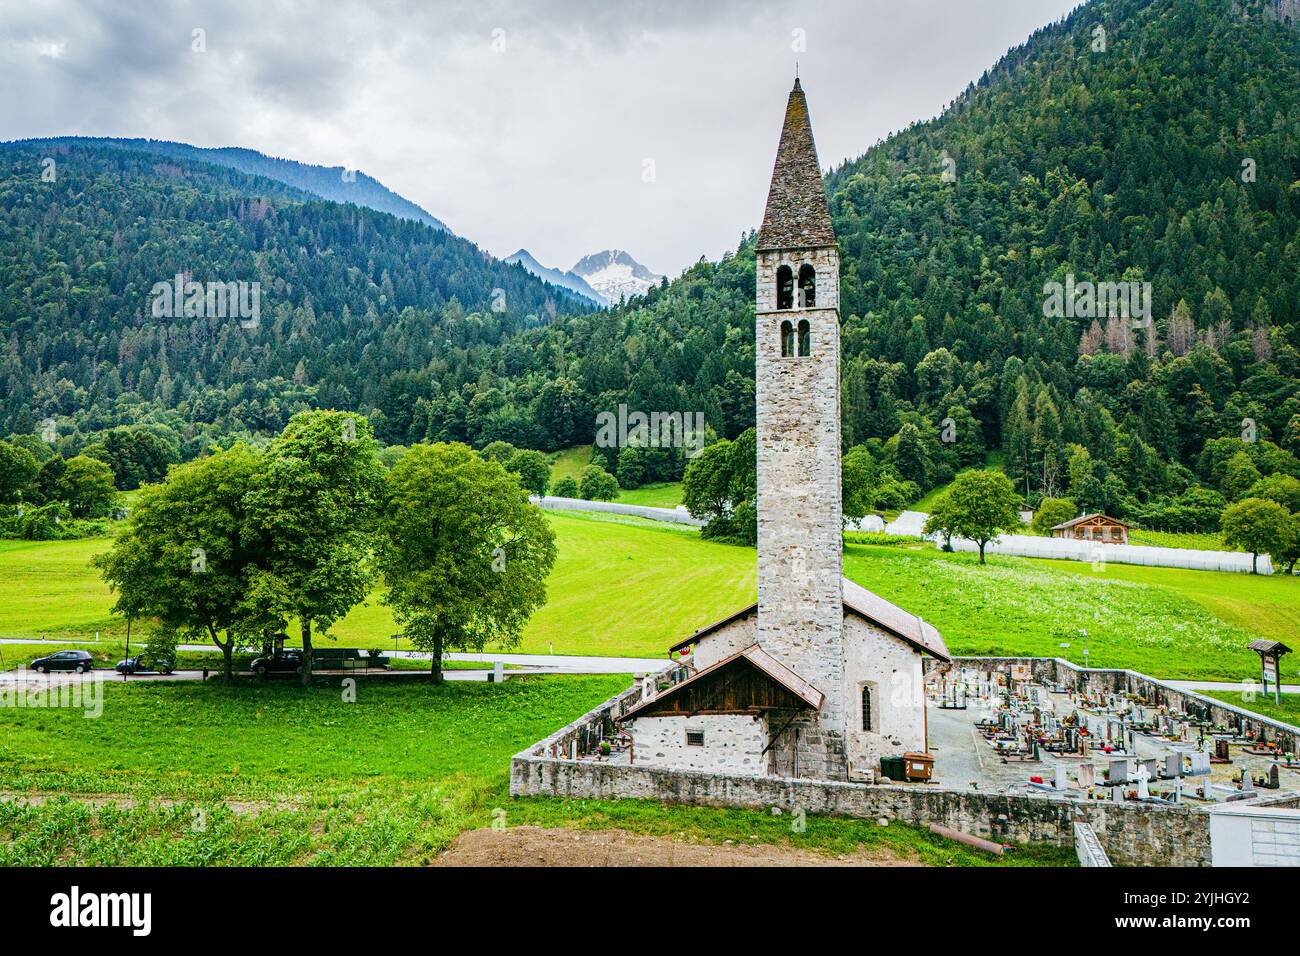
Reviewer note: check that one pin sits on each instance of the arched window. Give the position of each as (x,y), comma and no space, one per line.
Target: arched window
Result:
(784,288)
(866,707)
(805,339)
(807,286)
(787,339)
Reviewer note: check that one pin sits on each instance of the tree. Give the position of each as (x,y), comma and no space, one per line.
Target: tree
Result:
(533,469)
(910,458)
(706,486)
(566,487)
(1283,489)
(983,503)
(631,468)
(1050,513)
(1239,476)
(498,451)
(136,455)
(596,484)
(86,485)
(18,471)
(1259,526)
(942,520)
(183,558)
(860,477)
(311,512)
(464,556)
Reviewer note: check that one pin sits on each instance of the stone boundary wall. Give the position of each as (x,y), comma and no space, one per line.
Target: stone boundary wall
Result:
(1056,670)
(1132,834)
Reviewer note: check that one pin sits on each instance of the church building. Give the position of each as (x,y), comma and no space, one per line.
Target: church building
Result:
(821,677)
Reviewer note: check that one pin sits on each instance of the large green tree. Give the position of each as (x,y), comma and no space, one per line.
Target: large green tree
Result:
(463,554)
(311,514)
(183,558)
(981,505)
(1259,526)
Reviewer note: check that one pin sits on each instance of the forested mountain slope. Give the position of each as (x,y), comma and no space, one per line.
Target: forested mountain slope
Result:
(1144,141)
(348,296)
(324,182)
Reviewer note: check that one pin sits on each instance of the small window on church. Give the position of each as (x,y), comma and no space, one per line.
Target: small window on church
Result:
(784,288)
(695,738)
(866,707)
(807,286)
(805,339)
(787,339)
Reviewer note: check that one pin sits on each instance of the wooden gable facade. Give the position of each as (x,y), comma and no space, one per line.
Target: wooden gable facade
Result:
(1099,528)
(750,682)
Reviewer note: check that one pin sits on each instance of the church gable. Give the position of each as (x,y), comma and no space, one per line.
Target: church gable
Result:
(748,682)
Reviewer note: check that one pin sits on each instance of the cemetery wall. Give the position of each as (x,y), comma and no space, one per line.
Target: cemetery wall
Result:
(1132,834)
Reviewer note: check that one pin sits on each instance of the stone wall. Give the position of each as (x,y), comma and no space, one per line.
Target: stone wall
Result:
(893,670)
(1131,833)
(733,743)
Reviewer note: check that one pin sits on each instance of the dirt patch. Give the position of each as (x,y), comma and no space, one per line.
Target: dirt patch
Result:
(538,846)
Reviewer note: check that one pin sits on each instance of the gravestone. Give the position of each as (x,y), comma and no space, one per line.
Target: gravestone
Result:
(1087,775)
(1118,770)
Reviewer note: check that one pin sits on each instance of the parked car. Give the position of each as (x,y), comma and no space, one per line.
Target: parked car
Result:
(144,664)
(287,661)
(79,661)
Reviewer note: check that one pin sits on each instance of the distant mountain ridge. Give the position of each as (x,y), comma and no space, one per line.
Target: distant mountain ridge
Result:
(334,183)
(565,280)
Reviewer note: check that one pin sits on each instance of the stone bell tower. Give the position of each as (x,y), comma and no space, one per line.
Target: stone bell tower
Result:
(800,560)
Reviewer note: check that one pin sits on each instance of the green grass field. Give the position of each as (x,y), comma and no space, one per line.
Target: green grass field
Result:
(1288,711)
(267,774)
(570,462)
(665,494)
(1171,539)
(624,586)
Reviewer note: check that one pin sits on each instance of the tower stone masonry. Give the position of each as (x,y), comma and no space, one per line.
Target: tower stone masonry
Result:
(797,355)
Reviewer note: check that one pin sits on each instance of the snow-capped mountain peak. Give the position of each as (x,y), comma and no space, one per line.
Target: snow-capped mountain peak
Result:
(615,274)
(565,280)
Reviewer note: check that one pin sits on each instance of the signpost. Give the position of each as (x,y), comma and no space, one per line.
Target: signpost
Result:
(1270,653)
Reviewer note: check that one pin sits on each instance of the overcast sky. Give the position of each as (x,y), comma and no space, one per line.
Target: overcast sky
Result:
(560,126)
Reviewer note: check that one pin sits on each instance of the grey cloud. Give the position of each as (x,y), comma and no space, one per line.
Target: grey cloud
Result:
(540,145)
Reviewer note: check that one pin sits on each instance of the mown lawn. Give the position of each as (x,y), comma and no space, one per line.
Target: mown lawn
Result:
(625,586)
(1288,711)
(665,494)
(267,774)
(1165,622)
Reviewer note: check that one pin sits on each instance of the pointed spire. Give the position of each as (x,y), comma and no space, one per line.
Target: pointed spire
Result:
(797,215)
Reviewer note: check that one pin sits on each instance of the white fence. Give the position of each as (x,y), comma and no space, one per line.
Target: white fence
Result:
(1032,546)
(676,515)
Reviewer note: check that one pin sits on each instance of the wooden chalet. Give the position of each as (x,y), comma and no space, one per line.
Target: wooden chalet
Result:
(1103,529)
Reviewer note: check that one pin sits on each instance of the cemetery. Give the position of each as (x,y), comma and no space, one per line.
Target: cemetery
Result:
(1126,768)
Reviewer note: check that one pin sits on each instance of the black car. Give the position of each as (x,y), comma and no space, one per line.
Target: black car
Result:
(287,661)
(144,664)
(79,661)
